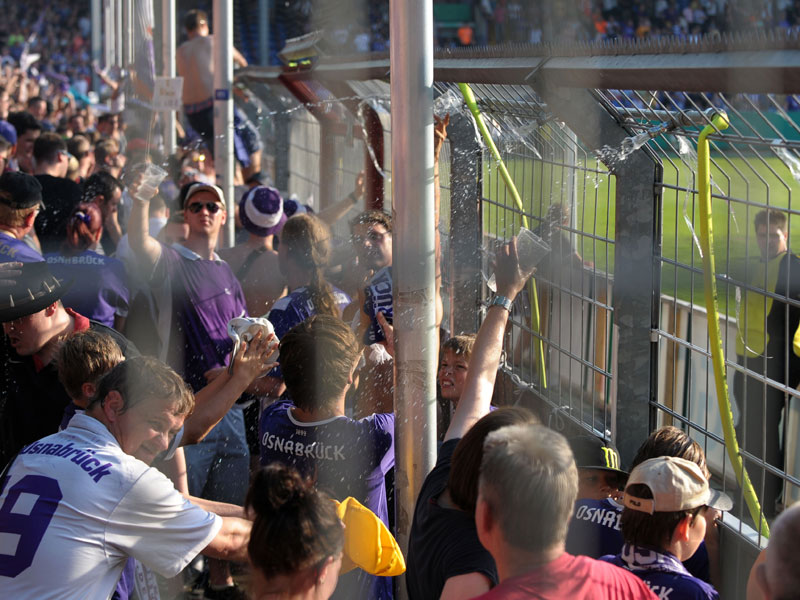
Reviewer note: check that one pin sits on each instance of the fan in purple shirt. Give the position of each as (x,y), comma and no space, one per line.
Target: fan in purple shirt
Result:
(345,457)
(20,202)
(100,291)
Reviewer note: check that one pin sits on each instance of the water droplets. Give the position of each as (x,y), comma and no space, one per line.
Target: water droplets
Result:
(789,158)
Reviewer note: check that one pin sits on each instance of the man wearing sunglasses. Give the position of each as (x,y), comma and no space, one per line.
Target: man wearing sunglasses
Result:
(205,295)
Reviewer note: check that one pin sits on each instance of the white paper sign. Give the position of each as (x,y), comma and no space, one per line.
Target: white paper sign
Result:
(168,93)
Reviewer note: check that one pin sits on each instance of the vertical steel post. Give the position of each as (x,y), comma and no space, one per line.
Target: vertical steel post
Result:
(128,34)
(168,34)
(119,33)
(263,31)
(373,184)
(110,37)
(416,335)
(223,107)
(97,39)
(465,222)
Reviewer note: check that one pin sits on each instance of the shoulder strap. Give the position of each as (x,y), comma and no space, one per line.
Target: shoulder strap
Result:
(248,262)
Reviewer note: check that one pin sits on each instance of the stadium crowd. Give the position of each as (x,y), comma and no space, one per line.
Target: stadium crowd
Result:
(161,399)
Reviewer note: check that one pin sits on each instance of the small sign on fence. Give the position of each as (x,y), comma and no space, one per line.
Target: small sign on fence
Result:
(168,93)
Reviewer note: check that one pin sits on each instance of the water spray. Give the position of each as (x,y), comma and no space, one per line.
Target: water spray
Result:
(472,104)
(719,122)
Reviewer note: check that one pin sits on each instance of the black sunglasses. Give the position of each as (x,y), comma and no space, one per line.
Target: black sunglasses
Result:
(212,207)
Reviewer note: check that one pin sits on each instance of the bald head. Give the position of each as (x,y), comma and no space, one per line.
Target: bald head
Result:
(780,574)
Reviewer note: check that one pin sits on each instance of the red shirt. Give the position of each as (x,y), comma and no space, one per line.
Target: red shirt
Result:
(573,577)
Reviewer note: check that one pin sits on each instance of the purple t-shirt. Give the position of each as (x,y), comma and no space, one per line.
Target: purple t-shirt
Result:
(295,308)
(100,288)
(345,458)
(663,573)
(594,530)
(12,249)
(205,296)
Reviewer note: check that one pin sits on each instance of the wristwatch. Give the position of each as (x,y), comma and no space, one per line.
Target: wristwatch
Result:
(499,300)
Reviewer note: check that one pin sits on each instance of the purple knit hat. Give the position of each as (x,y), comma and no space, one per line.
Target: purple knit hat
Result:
(292,207)
(261,211)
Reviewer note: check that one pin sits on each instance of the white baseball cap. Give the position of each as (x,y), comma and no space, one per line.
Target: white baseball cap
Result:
(676,484)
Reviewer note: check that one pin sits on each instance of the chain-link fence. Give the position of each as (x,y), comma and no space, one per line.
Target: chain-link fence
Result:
(613,338)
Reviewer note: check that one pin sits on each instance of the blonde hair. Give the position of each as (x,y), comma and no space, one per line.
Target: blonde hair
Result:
(15,217)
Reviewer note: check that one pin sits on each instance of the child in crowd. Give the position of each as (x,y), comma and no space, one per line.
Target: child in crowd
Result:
(662,524)
(83,359)
(453,365)
(595,527)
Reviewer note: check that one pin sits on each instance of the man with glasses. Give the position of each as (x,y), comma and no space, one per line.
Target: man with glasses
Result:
(60,195)
(81,148)
(205,295)
(768,321)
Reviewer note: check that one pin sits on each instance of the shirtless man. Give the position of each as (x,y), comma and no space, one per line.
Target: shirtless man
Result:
(195,63)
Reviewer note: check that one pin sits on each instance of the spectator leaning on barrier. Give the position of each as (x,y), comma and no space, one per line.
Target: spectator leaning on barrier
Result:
(662,524)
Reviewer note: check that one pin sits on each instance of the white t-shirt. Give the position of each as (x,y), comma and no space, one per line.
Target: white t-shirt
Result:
(75,507)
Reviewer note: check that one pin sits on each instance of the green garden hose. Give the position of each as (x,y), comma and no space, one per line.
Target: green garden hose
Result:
(469,98)
(719,123)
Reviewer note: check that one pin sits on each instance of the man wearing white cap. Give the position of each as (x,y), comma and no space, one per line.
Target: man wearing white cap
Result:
(664,522)
(205,295)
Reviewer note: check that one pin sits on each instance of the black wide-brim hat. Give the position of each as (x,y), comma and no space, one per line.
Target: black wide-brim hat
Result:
(33,290)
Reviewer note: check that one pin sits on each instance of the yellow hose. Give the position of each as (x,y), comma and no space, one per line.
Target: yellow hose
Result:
(469,98)
(720,122)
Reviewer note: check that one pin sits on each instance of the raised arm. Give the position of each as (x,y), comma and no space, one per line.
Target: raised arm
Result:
(146,248)
(483,363)
(215,400)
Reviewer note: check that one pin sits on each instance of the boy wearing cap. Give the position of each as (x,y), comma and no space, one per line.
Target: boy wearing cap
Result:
(595,526)
(20,202)
(663,523)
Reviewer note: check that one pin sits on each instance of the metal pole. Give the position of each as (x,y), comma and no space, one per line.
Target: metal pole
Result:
(109,28)
(223,108)
(411,57)
(263,31)
(119,33)
(168,27)
(97,39)
(127,36)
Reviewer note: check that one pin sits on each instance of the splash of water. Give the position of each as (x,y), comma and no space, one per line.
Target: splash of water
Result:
(788,157)
(362,121)
(448,103)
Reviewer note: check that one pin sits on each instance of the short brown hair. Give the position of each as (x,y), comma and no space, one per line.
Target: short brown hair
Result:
(105,148)
(654,530)
(770,216)
(462,483)
(84,357)
(370,217)
(460,344)
(194,18)
(316,359)
(15,217)
(143,378)
(671,441)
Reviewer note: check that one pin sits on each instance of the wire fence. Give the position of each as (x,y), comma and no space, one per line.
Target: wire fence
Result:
(562,351)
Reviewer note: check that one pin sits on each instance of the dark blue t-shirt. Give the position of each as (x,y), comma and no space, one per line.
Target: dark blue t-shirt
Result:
(663,573)
(100,284)
(345,458)
(295,308)
(12,249)
(594,531)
